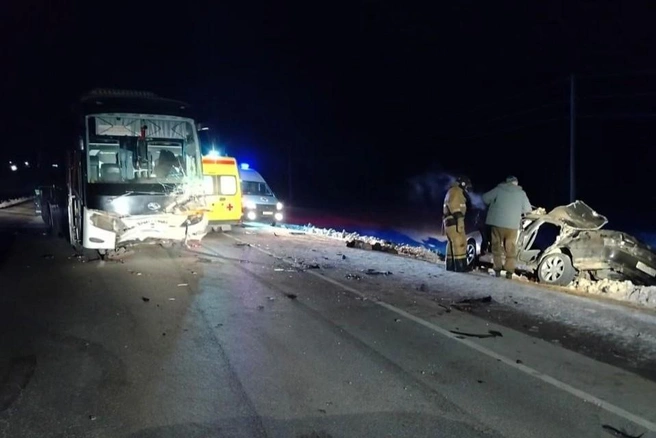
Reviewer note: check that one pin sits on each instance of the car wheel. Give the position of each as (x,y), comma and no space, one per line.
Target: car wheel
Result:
(556,269)
(471,253)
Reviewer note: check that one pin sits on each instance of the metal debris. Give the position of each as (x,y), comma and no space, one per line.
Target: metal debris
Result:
(145,299)
(490,334)
(291,296)
(353,277)
(446,309)
(618,433)
(468,304)
(376,272)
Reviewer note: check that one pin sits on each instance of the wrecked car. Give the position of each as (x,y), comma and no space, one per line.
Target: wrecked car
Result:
(569,241)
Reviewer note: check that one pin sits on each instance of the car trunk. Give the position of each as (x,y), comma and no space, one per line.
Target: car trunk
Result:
(579,216)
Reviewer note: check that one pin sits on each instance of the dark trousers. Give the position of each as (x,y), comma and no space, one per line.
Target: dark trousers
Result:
(504,245)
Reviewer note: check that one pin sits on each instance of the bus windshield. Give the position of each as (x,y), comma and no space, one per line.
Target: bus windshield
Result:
(132,148)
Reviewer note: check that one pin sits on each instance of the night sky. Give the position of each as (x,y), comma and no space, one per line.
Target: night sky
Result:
(361,97)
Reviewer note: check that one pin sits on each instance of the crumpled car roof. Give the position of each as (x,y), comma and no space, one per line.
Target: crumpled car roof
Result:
(577,215)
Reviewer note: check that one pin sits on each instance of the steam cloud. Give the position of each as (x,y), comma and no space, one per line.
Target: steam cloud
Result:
(430,189)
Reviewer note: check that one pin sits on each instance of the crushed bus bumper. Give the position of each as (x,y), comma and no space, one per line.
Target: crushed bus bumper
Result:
(103,230)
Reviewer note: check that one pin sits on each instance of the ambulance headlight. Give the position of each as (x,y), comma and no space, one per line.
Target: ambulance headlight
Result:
(250,205)
(279,206)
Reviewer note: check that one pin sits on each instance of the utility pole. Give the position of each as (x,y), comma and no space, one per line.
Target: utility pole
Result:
(572,138)
(289,173)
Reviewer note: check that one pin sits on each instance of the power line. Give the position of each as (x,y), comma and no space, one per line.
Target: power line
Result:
(647,72)
(611,96)
(513,97)
(523,112)
(619,116)
(512,129)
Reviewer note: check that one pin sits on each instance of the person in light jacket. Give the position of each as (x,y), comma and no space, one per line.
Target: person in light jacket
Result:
(506,203)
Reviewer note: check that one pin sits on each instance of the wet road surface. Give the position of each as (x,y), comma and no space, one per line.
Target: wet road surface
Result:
(219,341)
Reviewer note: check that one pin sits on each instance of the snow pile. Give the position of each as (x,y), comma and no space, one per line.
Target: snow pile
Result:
(618,290)
(12,202)
(355,240)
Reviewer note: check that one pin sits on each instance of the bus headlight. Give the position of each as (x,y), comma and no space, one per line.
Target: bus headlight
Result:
(194,219)
(279,206)
(278,217)
(251,215)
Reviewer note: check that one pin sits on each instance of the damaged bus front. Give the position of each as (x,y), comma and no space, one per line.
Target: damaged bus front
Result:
(136,175)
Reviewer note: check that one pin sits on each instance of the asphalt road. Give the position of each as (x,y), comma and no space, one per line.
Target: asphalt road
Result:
(214,342)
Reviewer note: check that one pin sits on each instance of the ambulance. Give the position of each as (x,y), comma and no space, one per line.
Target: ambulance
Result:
(222,191)
(259,202)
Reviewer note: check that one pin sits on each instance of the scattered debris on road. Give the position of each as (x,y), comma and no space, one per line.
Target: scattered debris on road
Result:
(468,304)
(145,299)
(353,277)
(92,417)
(291,296)
(618,433)
(489,334)
(48,256)
(376,272)
(242,244)
(183,284)
(204,260)
(446,308)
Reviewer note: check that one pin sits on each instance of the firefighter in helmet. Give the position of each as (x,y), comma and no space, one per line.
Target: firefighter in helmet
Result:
(453,214)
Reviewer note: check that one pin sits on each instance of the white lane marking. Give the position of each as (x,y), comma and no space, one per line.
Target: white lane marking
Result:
(589,398)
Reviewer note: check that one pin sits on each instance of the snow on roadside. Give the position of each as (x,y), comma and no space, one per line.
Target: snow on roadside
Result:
(371,243)
(618,290)
(624,291)
(16,201)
